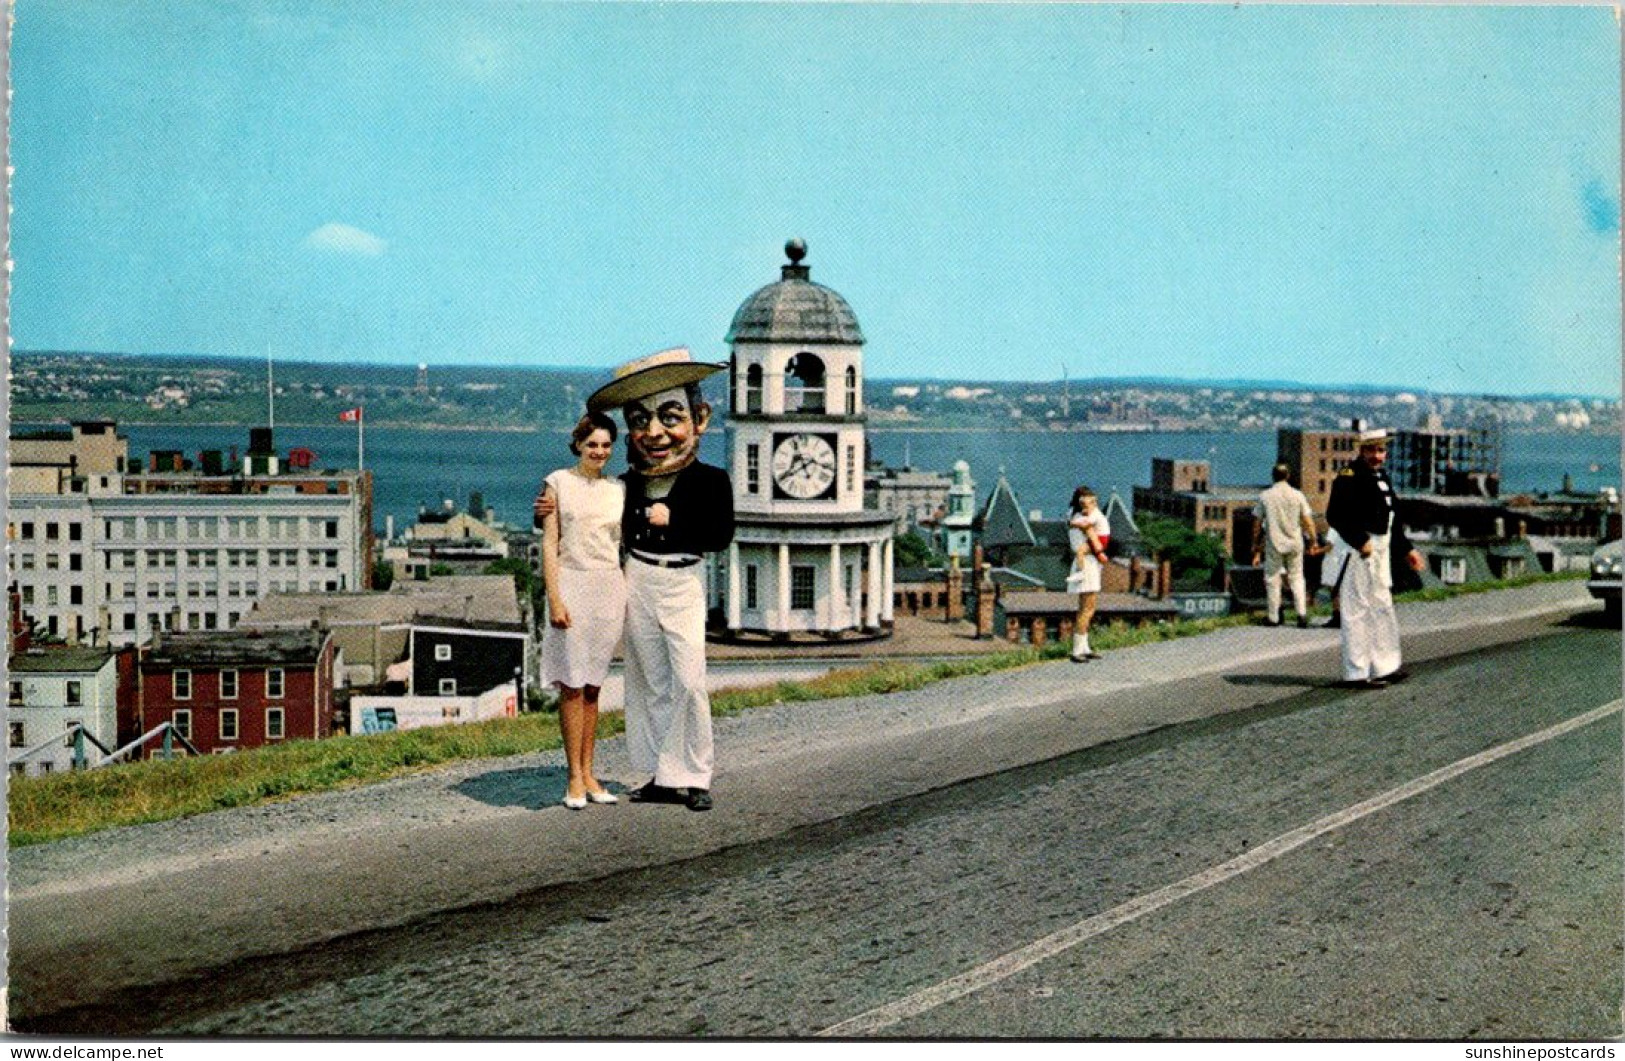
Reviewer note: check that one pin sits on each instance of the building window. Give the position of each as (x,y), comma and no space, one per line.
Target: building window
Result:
(28,530)
(274,726)
(228,684)
(76,532)
(182,721)
(273,683)
(448,686)
(750,586)
(76,562)
(228,724)
(183,685)
(53,531)
(753,468)
(18,735)
(851,390)
(802,597)
(129,620)
(1452,570)
(332,528)
(70,725)
(76,594)
(16,692)
(442,653)
(851,468)
(76,692)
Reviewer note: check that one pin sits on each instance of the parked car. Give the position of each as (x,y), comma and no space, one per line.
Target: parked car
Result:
(1605,575)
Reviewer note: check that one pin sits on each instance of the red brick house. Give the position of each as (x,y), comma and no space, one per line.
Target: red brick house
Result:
(228,690)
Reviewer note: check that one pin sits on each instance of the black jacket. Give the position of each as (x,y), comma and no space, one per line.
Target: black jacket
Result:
(702,513)
(1362,504)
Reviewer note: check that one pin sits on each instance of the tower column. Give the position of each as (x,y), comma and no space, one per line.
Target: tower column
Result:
(871,614)
(734,622)
(886,580)
(784,586)
(837,601)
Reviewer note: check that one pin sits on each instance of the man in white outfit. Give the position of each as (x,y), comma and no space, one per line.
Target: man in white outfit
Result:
(677,510)
(1285,520)
(1362,512)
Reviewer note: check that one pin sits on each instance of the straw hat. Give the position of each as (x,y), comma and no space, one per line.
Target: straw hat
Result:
(650,375)
(1375,436)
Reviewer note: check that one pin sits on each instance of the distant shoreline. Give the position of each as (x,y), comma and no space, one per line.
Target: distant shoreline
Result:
(877,429)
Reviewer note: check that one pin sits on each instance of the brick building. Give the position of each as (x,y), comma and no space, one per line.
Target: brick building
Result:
(227,691)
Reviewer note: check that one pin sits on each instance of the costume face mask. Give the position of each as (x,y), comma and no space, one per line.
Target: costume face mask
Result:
(663,431)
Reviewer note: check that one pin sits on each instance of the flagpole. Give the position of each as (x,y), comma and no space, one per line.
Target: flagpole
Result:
(361,437)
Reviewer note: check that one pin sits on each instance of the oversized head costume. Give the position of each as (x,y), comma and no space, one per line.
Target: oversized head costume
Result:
(659,398)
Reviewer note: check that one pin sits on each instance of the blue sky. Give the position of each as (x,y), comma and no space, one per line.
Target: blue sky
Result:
(1423,197)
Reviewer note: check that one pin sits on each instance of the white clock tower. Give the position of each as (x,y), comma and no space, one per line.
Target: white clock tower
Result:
(807,558)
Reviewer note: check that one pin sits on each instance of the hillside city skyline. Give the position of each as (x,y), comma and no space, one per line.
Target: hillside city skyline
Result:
(153,389)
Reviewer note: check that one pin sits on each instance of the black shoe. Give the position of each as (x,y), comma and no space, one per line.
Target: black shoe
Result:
(1093,655)
(653,793)
(1333,623)
(1365,684)
(1078,658)
(1394,676)
(1272,622)
(1303,622)
(698,799)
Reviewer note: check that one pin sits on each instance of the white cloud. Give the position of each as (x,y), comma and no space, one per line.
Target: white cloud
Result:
(345,239)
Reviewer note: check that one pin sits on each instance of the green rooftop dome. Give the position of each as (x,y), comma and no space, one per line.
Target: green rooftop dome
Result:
(795,310)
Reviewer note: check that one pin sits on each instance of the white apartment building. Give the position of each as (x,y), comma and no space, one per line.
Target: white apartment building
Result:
(134,552)
(49,691)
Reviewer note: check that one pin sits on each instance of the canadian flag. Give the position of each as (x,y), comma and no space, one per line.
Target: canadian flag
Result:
(350,416)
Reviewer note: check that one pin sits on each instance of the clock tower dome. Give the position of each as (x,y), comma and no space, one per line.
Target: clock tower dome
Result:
(808,558)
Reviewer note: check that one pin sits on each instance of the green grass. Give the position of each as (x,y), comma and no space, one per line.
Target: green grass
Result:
(56,806)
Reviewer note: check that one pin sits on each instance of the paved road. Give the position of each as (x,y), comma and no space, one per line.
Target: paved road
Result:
(1488,905)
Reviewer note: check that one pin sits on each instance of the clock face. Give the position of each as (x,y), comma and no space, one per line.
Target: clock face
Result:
(804,466)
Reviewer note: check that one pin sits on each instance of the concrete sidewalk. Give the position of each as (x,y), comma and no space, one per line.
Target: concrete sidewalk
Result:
(152,903)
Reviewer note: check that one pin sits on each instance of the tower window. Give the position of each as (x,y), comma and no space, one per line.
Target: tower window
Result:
(804,384)
(753,389)
(851,390)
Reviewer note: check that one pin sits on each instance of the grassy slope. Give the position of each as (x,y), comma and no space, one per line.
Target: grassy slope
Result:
(56,806)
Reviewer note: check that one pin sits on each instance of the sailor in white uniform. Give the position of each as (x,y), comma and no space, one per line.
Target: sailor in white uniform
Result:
(1362,512)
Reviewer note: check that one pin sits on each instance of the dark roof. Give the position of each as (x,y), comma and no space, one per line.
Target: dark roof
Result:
(78,659)
(913,575)
(795,310)
(1051,532)
(1048,567)
(1126,539)
(1002,522)
(252,647)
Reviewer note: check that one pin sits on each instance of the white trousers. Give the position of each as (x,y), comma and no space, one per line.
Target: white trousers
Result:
(1291,565)
(1370,626)
(668,712)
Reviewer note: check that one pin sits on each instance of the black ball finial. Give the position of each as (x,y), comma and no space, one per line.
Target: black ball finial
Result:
(796,250)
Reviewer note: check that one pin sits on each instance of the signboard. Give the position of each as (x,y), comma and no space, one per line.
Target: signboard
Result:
(1201,605)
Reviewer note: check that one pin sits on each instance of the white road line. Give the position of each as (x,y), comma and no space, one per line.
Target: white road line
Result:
(875,1020)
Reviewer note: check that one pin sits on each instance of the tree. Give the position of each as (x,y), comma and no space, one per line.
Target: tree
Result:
(383,574)
(912,550)
(525,581)
(1194,557)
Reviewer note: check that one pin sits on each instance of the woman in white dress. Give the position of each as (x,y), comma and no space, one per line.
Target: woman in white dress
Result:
(586,595)
(1088,532)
